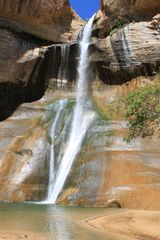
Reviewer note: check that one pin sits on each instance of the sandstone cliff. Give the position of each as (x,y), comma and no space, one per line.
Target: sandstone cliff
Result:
(133,9)
(24,154)
(127,39)
(133,50)
(114,12)
(126,44)
(22,78)
(26,66)
(51,20)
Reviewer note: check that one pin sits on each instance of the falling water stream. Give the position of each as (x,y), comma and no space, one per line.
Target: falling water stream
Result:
(61,105)
(83,116)
(70,130)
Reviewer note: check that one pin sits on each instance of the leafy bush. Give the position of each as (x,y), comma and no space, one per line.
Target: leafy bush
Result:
(120,24)
(142,110)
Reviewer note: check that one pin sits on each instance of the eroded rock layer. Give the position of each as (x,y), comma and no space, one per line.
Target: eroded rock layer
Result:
(126,44)
(23,71)
(133,8)
(133,50)
(50,20)
(27,69)
(112,173)
(24,152)
(127,37)
(117,12)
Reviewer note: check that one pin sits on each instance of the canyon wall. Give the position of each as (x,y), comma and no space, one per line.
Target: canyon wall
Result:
(28,59)
(124,46)
(112,173)
(127,40)
(50,20)
(38,56)
(133,9)
(32,59)
(24,154)
(27,67)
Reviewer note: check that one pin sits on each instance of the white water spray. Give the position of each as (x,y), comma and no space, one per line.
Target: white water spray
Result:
(61,106)
(82,116)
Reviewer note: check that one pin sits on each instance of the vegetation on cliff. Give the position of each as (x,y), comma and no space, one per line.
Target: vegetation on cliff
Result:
(142,111)
(139,107)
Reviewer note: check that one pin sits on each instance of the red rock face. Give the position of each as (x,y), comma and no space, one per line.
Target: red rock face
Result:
(50,20)
(37,9)
(145,8)
(117,12)
(128,52)
(128,40)
(116,176)
(23,164)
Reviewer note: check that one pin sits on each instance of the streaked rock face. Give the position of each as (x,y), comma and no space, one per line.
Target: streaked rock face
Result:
(51,20)
(24,151)
(118,12)
(26,62)
(22,59)
(27,69)
(111,172)
(22,77)
(14,52)
(131,173)
(129,52)
(108,171)
(115,14)
(127,37)
(131,8)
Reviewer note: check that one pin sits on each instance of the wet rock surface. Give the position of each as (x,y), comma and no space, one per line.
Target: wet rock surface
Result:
(28,59)
(113,173)
(27,69)
(110,172)
(130,51)
(24,155)
(29,64)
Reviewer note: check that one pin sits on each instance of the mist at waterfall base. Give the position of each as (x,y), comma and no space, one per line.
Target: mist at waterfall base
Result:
(83,116)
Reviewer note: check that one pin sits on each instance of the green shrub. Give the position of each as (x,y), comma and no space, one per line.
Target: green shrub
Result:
(142,111)
(120,24)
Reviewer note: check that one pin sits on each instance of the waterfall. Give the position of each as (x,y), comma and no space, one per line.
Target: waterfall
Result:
(60,65)
(63,68)
(83,116)
(61,106)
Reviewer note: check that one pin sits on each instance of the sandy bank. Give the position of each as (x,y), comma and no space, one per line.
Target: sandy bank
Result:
(130,224)
(21,236)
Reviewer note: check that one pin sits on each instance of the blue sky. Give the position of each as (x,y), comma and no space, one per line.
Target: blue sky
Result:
(85,8)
